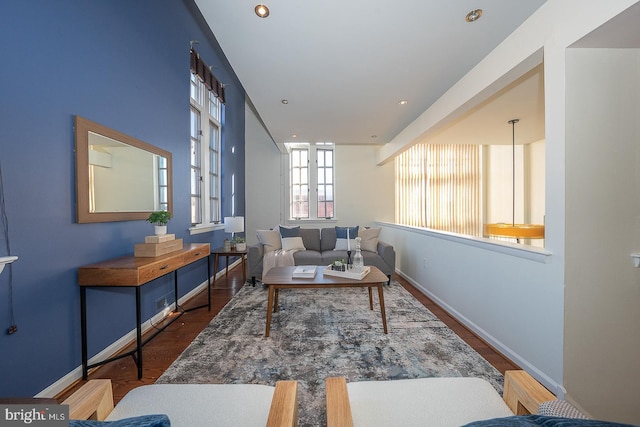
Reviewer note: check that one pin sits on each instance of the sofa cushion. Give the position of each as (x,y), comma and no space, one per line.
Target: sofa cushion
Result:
(308,258)
(369,238)
(342,233)
(291,239)
(327,239)
(310,238)
(270,239)
(424,401)
(220,405)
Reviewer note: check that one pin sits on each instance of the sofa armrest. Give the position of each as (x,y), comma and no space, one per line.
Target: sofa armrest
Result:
(338,406)
(255,253)
(388,254)
(94,400)
(523,394)
(284,406)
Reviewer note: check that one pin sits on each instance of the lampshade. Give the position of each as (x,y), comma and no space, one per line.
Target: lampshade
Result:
(516,231)
(233,224)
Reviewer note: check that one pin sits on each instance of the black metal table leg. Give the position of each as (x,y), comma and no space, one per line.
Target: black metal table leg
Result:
(209,281)
(138,333)
(175,290)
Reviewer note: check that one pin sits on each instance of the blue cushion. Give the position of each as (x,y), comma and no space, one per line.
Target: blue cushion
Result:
(542,420)
(289,231)
(141,421)
(341,232)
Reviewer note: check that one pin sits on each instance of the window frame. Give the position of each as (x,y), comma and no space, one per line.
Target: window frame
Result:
(205,164)
(313,183)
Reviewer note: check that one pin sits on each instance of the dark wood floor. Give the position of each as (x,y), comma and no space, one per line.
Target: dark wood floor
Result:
(160,352)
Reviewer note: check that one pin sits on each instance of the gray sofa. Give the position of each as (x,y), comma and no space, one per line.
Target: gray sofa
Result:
(320,244)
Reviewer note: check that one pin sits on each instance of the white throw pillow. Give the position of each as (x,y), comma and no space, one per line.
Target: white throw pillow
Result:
(369,238)
(292,243)
(341,244)
(270,239)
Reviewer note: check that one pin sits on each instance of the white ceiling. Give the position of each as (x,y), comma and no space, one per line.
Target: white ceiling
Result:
(344,65)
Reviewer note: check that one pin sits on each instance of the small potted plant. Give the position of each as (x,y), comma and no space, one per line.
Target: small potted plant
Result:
(338,265)
(159,219)
(240,244)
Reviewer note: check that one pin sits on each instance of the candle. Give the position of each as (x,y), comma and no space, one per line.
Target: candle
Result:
(348,243)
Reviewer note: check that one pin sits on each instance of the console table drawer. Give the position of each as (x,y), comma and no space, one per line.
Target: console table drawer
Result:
(195,254)
(153,271)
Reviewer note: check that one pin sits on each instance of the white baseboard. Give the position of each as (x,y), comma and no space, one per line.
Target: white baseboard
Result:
(66,381)
(544,379)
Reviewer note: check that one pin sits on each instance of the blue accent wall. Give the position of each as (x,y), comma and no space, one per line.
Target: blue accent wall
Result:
(124,64)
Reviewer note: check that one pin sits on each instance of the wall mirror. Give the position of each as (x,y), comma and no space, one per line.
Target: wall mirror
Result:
(118,177)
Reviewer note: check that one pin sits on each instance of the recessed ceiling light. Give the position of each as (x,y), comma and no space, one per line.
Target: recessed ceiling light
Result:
(285,101)
(474,15)
(261,10)
(294,136)
(403,102)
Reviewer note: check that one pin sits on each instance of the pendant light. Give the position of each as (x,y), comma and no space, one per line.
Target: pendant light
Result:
(513,230)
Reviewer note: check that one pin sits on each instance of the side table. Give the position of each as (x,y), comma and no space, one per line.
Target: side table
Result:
(218,252)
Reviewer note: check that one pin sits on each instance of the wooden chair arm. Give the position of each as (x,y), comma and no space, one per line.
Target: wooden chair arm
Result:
(523,394)
(338,406)
(284,405)
(94,400)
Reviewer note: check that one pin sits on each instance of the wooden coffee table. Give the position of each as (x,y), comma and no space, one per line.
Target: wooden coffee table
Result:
(281,278)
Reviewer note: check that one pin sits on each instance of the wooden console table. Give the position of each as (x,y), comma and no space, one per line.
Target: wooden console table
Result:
(134,272)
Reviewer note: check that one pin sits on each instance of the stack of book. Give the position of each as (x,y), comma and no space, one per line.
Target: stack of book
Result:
(304,272)
(154,246)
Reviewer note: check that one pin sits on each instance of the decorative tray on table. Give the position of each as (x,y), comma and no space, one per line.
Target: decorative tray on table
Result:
(349,274)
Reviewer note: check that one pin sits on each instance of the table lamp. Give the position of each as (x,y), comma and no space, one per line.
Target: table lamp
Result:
(233,225)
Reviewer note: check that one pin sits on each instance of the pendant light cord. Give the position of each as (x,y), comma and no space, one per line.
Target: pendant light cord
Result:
(513,171)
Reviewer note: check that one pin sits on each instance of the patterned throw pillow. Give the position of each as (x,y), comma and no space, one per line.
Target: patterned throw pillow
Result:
(341,238)
(141,421)
(560,408)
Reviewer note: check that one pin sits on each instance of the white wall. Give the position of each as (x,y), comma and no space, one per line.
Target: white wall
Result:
(262,170)
(535,182)
(365,192)
(602,318)
(499,184)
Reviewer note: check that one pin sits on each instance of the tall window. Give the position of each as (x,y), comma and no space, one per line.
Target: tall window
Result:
(206,111)
(299,159)
(440,187)
(325,182)
(311,174)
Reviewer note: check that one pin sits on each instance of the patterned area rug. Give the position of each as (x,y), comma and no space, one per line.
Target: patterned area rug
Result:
(319,333)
